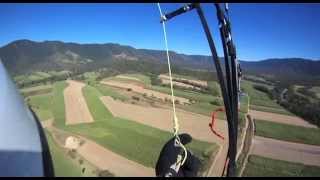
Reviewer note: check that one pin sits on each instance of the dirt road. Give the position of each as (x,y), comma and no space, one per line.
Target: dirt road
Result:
(288,151)
(142,90)
(76,107)
(280,118)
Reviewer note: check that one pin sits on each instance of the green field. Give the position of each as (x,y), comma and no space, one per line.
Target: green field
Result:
(63,166)
(288,132)
(265,167)
(139,142)
(132,140)
(257,97)
(202,102)
(272,110)
(145,79)
(38,75)
(58,108)
(41,104)
(36,90)
(66,166)
(107,91)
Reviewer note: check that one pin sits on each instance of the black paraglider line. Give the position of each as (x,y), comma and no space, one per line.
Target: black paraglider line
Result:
(229,93)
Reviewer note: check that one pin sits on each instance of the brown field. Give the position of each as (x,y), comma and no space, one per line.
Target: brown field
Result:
(199,82)
(287,151)
(108,160)
(195,124)
(140,89)
(280,118)
(76,107)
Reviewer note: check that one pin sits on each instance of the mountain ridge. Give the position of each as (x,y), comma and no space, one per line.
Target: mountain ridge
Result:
(48,55)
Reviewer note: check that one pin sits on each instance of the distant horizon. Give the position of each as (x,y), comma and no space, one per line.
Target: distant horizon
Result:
(178,52)
(259,30)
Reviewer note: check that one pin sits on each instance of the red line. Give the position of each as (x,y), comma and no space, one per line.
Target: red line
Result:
(211,125)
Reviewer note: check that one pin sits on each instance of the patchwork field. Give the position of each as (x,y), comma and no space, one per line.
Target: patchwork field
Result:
(122,132)
(280,118)
(162,118)
(266,167)
(288,151)
(133,141)
(195,81)
(142,90)
(287,132)
(41,105)
(65,165)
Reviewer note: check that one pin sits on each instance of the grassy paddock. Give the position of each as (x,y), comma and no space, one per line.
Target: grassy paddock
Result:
(139,142)
(145,79)
(63,166)
(288,132)
(36,92)
(272,110)
(58,107)
(257,97)
(265,167)
(107,91)
(41,104)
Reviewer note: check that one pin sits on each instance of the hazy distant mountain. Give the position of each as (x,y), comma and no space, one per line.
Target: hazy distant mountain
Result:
(25,56)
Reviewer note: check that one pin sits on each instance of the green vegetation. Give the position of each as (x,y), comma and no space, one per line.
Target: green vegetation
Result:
(41,104)
(305,107)
(270,109)
(264,167)
(63,165)
(68,163)
(37,90)
(40,78)
(139,142)
(145,79)
(288,132)
(58,107)
(214,88)
(155,80)
(108,91)
(316,89)
(257,97)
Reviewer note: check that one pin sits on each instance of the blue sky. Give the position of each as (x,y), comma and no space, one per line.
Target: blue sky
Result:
(259,30)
